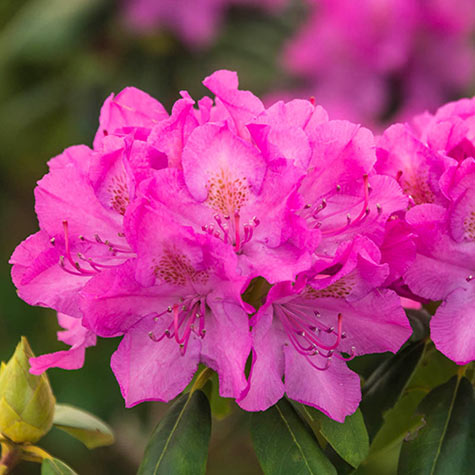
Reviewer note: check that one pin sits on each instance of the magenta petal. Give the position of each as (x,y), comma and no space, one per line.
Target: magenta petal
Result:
(39,278)
(130,108)
(227,345)
(453,325)
(213,153)
(113,301)
(265,379)
(152,371)
(75,335)
(169,136)
(374,324)
(66,194)
(335,391)
(242,106)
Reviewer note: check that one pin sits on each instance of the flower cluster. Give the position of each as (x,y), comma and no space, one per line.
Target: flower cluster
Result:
(228,233)
(195,22)
(387,55)
(433,159)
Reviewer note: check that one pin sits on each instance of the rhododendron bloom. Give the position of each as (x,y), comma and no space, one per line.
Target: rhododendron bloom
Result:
(307,332)
(176,220)
(433,160)
(403,55)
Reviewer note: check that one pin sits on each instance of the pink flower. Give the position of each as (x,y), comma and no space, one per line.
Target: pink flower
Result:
(165,231)
(80,206)
(178,304)
(306,333)
(434,163)
(373,51)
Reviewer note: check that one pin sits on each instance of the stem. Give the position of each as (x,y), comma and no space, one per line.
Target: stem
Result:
(200,380)
(10,457)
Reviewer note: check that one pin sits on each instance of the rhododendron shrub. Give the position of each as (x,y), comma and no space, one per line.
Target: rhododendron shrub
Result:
(157,231)
(434,161)
(403,55)
(267,244)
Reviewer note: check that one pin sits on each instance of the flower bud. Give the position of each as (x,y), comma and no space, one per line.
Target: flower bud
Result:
(26,401)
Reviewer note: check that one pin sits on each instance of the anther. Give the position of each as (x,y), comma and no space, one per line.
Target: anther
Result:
(469,278)
(338,188)
(379,208)
(52,241)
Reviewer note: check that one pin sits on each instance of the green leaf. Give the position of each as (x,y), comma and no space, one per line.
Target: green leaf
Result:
(285,444)
(445,444)
(384,387)
(43,29)
(82,425)
(433,370)
(220,407)
(349,440)
(56,467)
(179,444)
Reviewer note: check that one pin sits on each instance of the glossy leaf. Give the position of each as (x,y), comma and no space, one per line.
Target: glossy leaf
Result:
(432,370)
(285,444)
(349,440)
(444,445)
(56,467)
(82,425)
(384,387)
(179,444)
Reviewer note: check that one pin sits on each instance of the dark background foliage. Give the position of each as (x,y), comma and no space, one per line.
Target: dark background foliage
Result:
(59,60)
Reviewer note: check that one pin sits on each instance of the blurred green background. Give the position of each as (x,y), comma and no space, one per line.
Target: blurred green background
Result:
(59,60)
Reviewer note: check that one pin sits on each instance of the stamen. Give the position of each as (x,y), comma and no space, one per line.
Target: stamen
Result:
(232,231)
(183,321)
(302,330)
(469,278)
(361,216)
(236,231)
(81,272)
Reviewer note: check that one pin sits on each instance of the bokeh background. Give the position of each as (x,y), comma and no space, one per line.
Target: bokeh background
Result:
(59,60)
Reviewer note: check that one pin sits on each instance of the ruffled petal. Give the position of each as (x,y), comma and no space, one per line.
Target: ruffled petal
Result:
(335,391)
(152,371)
(75,335)
(453,325)
(265,379)
(226,345)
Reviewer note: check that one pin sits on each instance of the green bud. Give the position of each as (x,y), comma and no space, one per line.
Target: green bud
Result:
(26,400)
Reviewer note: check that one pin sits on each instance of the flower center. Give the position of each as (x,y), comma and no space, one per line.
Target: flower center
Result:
(317,342)
(187,317)
(228,195)
(176,269)
(312,213)
(469,224)
(119,192)
(85,266)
